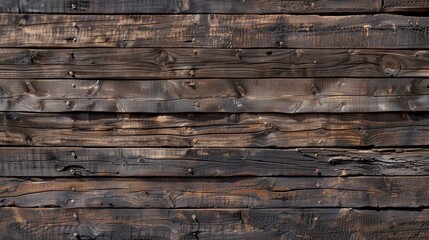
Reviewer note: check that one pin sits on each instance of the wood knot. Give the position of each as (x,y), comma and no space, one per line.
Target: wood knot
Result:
(391,67)
(164,58)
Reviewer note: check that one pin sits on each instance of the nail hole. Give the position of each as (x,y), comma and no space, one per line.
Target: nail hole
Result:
(269,53)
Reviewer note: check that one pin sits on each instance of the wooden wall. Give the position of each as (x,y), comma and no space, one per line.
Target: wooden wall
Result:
(214,119)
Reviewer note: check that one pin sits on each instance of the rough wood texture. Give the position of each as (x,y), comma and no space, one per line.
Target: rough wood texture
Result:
(216,95)
(202,162)
(405,6)
(216,31)
(172,63)
(104,224)
(195,6)
(356,192)
(214,130)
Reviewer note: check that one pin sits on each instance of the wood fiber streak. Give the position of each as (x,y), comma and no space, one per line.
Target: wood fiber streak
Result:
(216,95)
(202,162)
(104,224)
(214,130)
(356,192)
(196,6)
(406,6)
(214,31)
(174,63)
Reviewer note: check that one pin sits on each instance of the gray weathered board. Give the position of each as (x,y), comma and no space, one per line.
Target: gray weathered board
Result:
(204,119)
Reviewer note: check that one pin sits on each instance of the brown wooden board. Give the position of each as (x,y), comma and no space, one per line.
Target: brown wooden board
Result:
(203,162)
(356,192)
(104,224)
(195,6)
(173,63)
(214,130)
(216,95)
(214,31)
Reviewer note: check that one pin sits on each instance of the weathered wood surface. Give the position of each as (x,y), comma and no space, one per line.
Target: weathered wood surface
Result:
(214,31)
(172,63)
(203,162)
(191,6)
(103,224)
(405,6)
(356,192)
(216,95)
(214,130)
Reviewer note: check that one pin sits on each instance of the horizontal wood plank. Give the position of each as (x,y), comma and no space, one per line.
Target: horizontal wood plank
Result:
(202,162)
(214,130)
(357,192)
(173,63)
(213,30)
(104,224)
(194,6)
(216,95)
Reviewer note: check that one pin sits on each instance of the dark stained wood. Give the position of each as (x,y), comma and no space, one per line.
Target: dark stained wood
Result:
(172,63)
(214,130)
(216,95)
(104,224)
(356,192)
(202,162)
(214,31)
(197,6)
(9,6)
(404,6)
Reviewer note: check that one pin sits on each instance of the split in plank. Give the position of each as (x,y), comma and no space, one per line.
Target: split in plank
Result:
(191,6)
(215,31)
(104,224)
(202,162)
(173,63)
(214,130)
(321,95)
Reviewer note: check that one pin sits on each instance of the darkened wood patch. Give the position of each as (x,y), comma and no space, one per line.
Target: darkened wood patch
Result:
(171,63)
(196,6)
(216,95)
(214,31)
(103,224)
(356,192)
(197,162)
(214,130)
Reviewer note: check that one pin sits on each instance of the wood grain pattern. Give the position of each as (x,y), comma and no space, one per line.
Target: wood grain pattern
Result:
(216,95)
(197,6)
(404,6)
(356,192)
(203,162)
(173,63)
(214,31)
(103,224)
(214,130)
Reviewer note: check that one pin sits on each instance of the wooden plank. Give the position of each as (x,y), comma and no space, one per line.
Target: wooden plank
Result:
(404,6)
(216,95)
(202,162)
(356,192)
(103,224)
(197,6)
(214,130)
(9,6)
(173,63)
(212,30)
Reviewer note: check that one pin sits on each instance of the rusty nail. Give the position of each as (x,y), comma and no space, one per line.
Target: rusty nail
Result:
(195,52)
(190,171)
(75,215)
(193,39)
(318,172)
(74,39)
(73,85)
(197,104)
(194,141)
(73,189)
